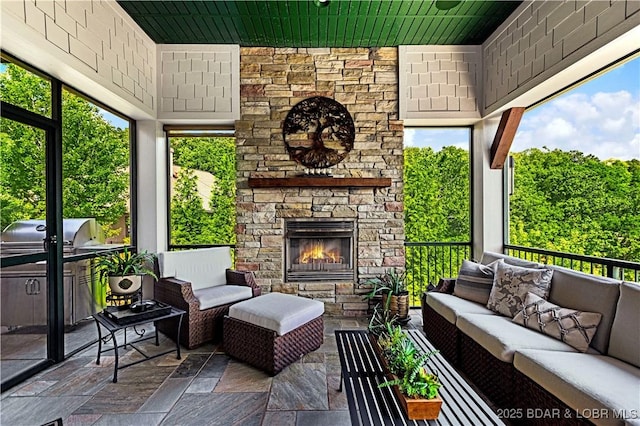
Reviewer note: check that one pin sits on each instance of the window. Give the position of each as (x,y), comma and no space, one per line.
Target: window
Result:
(576,182)
(202,180)
(437,204)
(96,157)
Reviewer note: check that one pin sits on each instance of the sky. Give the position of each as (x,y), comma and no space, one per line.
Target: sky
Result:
(600,117)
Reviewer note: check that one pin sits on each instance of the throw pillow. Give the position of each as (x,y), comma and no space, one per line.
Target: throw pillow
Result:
(575,328)
(445,285)
(474,282)
(511,285)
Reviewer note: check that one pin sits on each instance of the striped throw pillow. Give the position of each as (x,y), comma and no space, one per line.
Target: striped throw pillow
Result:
(474,282)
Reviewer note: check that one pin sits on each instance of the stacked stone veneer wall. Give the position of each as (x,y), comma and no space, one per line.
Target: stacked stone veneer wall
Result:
(365,81)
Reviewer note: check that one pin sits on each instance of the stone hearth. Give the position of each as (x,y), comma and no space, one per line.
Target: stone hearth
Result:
(365,81)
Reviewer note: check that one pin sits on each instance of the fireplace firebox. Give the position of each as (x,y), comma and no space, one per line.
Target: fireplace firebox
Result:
(319,250)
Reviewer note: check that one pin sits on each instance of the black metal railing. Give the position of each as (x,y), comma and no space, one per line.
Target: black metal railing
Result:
(613,268)
(427,262)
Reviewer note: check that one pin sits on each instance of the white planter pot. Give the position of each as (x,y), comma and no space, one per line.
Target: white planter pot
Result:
(127,284)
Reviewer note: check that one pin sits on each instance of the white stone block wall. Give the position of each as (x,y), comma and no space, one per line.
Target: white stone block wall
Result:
(95,38)
(439,81)
(541,38)
(199,82)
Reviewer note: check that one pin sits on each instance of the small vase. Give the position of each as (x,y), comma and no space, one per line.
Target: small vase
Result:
(126,284)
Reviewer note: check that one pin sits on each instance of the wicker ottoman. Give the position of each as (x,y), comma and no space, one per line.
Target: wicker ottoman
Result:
(273,331)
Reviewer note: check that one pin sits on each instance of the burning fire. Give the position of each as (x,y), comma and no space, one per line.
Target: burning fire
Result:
(316,253)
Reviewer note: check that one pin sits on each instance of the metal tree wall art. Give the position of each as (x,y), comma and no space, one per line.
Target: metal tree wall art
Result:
(318,132)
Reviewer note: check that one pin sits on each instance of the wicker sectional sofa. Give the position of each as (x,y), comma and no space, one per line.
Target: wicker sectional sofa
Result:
(533,378)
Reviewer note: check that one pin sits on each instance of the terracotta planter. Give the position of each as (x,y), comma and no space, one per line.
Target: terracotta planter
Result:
(414,408)
(127,284)
(399,305)
(419,408)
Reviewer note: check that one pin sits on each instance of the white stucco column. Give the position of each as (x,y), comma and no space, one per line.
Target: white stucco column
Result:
(152,186)
(487,192)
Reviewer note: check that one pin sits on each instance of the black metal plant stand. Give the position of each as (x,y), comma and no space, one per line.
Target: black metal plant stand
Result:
(113,327)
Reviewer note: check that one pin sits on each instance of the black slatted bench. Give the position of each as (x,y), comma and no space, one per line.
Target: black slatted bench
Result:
(370,405)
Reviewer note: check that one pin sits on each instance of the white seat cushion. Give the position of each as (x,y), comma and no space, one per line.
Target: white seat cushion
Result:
(587,383)
(277,311)
(450,306)
(202,267)
(211,297)
(502,338)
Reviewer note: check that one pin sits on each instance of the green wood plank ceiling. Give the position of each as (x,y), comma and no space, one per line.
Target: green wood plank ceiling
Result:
(312,23)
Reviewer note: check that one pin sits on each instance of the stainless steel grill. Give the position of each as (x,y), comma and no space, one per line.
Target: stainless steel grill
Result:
(24,287)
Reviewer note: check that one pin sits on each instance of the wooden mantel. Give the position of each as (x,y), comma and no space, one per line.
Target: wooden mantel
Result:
(318,182)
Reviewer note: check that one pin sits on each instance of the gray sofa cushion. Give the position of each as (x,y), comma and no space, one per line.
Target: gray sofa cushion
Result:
(588,293)
(586,382)
(474,282)
(488,257)
(502,338)
(625,332)
(450,307)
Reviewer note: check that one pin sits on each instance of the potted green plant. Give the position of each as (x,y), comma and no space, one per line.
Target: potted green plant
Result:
(395,297)
(408,375)
(124,270)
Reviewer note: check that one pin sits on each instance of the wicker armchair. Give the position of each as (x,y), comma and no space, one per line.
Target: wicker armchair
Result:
(202,284)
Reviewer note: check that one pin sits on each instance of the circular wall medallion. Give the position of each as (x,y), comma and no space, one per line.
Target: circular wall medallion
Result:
(318,132)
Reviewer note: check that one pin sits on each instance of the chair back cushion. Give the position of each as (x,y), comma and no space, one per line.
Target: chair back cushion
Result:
(201,267)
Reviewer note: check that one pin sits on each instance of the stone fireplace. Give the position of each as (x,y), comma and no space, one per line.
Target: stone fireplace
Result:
(282,215)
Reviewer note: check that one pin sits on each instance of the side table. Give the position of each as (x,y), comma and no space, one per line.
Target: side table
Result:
(113,327)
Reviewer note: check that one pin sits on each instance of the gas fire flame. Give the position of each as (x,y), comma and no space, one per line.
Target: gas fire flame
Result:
(318,254)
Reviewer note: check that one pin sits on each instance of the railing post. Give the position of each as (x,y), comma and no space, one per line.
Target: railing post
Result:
(610,271)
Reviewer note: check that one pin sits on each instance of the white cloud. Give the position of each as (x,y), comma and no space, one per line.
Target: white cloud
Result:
(559,128)
(611,102)
(605,124)
(409,137)
(613,125)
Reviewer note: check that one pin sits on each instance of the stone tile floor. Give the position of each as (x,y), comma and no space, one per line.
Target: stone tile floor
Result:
(205,387)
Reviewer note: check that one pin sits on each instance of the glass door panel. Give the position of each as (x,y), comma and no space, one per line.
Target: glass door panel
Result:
(96,199)
(23,334)
(24,284)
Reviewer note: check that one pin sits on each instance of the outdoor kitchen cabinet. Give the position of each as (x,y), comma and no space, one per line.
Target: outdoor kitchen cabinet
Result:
(24,296)
(23,288)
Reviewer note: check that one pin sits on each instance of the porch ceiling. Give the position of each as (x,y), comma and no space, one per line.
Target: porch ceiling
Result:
(301,23)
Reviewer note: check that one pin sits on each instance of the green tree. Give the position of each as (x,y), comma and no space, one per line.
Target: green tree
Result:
(95,156)
(436,194)
(189,221)
(576,203)
(215,155)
